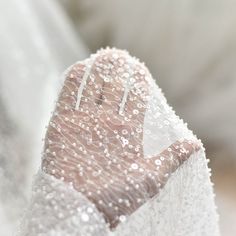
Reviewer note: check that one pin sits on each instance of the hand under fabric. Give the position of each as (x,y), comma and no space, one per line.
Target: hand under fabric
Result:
(95,136)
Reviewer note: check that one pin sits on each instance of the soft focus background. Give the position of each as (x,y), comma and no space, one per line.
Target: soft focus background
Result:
(188,45)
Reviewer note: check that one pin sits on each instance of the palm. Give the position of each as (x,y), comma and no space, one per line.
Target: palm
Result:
(101,151)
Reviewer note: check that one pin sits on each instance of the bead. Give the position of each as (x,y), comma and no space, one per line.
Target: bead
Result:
(142,72)
(84,217)
(122,218)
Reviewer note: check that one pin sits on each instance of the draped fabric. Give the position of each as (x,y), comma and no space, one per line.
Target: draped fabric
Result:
(37,44)
(111,147)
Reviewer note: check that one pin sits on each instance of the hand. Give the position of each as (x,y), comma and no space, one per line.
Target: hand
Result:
(98,147)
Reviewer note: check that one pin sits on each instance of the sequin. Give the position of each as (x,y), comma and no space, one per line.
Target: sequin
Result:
(135,111)
(134,166)
(124,132)
(158,162)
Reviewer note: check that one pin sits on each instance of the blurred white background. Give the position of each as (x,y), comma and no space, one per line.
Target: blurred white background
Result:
(189,46)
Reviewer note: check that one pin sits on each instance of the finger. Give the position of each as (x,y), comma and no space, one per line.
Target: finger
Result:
(81,88)
(172,157)
(163,165)
(92,90)
(67,96)
(113,71)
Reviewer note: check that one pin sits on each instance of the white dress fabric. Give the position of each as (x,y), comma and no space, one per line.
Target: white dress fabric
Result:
(37,44)
(38,33)
(118,161)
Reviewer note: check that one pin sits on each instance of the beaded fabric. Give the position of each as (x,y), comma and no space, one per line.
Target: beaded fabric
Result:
(113,140)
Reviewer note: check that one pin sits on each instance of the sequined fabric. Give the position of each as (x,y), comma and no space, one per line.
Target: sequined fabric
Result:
(114,140)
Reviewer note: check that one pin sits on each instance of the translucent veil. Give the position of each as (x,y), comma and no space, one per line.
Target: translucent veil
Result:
(37,43)
(111,146)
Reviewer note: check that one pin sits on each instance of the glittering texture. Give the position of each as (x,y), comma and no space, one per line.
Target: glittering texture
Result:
(185,206)
(114,140)
(57,209)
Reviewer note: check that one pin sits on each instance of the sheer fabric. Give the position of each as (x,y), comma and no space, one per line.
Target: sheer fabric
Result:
(113,142)
(37,44)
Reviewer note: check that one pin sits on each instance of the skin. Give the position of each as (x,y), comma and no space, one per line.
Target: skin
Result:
(96,147)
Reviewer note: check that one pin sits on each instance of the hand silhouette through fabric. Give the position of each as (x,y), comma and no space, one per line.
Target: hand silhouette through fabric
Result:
(95,137)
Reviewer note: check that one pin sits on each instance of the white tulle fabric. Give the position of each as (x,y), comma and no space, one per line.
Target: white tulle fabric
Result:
(37,43)
(116,159)
(57,209)
(185,206)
